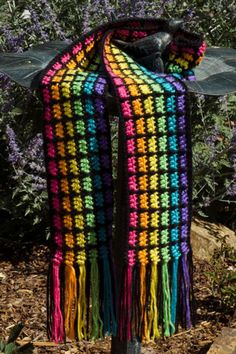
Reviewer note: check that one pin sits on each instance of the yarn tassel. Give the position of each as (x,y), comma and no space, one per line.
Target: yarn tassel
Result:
(143,308)
(153,331)
(70,300)
(109,320)
(81,314)
(174,293)
(166,301)
(185,286)
(57,322)
(127,304)
(192,297)
(129,301)
(49,302)
(135,301)
(96,322)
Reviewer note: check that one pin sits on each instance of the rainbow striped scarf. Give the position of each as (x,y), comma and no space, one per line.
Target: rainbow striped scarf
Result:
(153,204)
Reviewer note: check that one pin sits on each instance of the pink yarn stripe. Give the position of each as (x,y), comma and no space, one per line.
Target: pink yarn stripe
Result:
(57,317)
(125,310)
(129,300)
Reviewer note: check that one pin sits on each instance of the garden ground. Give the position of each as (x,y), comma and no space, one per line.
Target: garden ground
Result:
(23,272)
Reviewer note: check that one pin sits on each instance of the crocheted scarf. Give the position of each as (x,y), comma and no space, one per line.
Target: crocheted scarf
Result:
(153,203)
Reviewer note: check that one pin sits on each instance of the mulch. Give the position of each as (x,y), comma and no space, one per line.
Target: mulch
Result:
(23,273)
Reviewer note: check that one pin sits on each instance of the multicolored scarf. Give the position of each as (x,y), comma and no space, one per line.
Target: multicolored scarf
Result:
(153,204)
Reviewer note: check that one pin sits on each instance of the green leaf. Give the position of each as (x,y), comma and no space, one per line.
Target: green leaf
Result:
(201,213)
(36,220)
(10,348)
(17,111)
(28,211)
(24,67)
(25,197)
(232,277)
(14,193)
(2,346)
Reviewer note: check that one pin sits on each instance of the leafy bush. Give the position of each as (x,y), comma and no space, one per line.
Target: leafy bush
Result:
(27,183)
(223,278)
(214,158)
(26,23)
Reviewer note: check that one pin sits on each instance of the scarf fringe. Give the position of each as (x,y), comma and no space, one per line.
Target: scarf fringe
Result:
(144,291)
(153,315)
(55,310)
(125,304)
(109,319)
(167,323)
(82,303)
(95,322)
(140,303)
(186,289)
(70,300)
(174,293)
(76,309)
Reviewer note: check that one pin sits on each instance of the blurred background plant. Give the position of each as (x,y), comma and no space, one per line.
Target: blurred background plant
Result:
(23,198)
(214,158)
(222,278)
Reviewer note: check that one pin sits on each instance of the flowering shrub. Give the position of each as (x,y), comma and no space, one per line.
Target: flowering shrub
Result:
(222,278)
(27,183)
(214,158)
(26,23)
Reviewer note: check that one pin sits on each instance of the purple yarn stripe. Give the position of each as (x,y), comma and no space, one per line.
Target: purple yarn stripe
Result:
(180,87)
(186,282)
(105,158)
(186,291)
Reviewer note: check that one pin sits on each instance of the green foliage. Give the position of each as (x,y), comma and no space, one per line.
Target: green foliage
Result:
(213,131)
(24,203)
(11,346)
(215,19)
(223,277)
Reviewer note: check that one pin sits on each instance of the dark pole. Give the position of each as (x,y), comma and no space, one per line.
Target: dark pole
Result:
(118,347)
(120,243)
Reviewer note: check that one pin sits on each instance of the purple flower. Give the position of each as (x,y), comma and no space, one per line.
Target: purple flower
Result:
(28,162)
(51,17)
(15,154)
(13,43)
(139,8)
(35,148)
(9,102)
(100,11)
(37,26)
(38,183)
(206,201)
(231,191)
(189,15)
(212,139)
(38,187)
(5,82)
